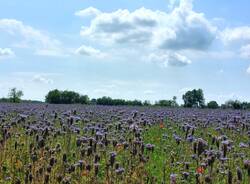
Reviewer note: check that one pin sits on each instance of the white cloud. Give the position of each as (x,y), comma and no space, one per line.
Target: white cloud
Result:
(221,71)
(32,38)
(88,12)
(31,77)
(175,59)
(238,37)
(169,59)
(235,35)
(6,52)
(87,50)
(172,3)
(180,29)
(172,34)
(90,51)
(42,79)
(245,51)
(248,70)
(186,29)
(122,26)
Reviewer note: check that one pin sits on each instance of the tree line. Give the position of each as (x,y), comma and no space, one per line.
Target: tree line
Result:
(192,99)
(71,97)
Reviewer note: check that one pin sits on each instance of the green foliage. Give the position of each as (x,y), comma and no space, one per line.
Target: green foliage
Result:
(168,103)
(245,105)
(168,153)
(104,101)
(146,103)
(212,105)
(4,100)
(53,97)
(84,99)
(109,101)
(93,101)
(15,95)
(66,97)
(236,104)
(194,98)
(71,97)
(134,103)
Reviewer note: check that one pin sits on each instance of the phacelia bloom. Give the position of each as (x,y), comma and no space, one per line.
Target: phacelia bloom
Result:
(173,178)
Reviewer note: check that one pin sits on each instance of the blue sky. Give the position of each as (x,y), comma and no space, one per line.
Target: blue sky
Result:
(132,49)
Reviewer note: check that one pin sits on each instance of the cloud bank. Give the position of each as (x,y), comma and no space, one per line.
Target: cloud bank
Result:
(6,52)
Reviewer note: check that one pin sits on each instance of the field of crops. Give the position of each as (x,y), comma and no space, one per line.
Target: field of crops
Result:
(67,144)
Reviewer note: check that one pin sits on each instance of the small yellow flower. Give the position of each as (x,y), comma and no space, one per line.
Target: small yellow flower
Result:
(119,147)
(85,173)
(18,164)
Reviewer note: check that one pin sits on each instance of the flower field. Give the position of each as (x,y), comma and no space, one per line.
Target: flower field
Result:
(72,144)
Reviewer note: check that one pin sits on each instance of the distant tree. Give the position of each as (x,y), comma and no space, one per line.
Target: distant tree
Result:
(70,97)
(53,97)
(84,99)
(109,101)
(136,103)
(174,102)
(93,101)
(118,102)
(104,101)
(165,103)
(212,105)
(66,97)
(194,98)
(233,104)
(146,103)
(4,100)
(15,95)
(245,105)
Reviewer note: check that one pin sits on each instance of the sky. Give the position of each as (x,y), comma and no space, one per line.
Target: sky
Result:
(131,49)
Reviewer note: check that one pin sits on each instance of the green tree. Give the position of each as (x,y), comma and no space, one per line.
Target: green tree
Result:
(174,102)
(69,97)
(66,97)
(15,95)
(53,97)
(168,103)
(146,103)
(212,105)
(245,105)
(104,101)
(194,98)
(165,103)
(93,101)
(84,99)
(234,104)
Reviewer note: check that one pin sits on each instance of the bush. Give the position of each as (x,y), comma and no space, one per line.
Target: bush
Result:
(212,105)
(66,97)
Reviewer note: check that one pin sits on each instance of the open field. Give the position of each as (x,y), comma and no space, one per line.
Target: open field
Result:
(42,143)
